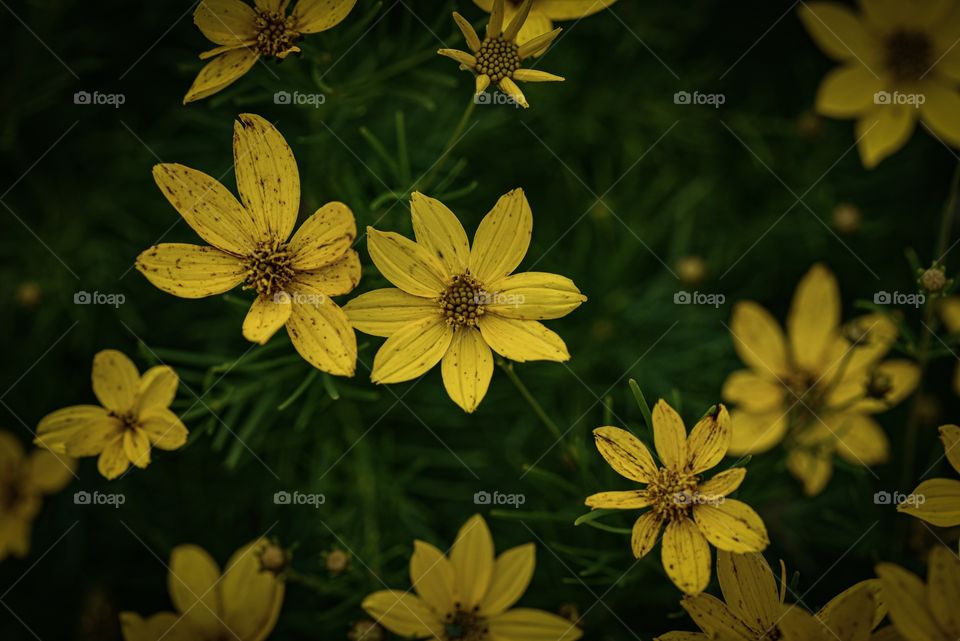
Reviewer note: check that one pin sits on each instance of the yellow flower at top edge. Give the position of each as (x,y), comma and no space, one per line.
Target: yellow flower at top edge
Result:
(497,58)
(134,417)
(544,12)
(815,389)
(24,480)
(899,65)
(938,500)
(696,513)
(468,595)
(924,612)
(294,278)
(245,34)
(453,303)
(242,604)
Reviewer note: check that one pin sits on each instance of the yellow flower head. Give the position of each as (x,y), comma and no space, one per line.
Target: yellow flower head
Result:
(134,417)
(924,612)
(899,64)
(696,512)
(453,303)
(245,34)
(816,388)
(544,12)
(850,616)
(24,480)
(938,500)
(294,278)
(242,604)
(468,594)
(498,56)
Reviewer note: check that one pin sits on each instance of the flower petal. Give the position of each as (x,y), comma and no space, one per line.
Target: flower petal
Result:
(406,264)
(526,624)
(467,368)
(751,392)
(758,340)
(571,9)
(509,87)
(472,559)
(522,340)
(943,588)
(950,436)
(626,454)
(644,535)
(902,376)
(749,587)
(48,472)
(113,460)
(848,91)
(384,312)
(439,231)
(534,296)
(252,597)
(220,72)
(502,238)
(732,526)
(535,75)
(860,439)
(883,131)
(813,469)
(469,33)
(716,619)
(116,381)
(431,574)
(905,595)
(158,388)
(226,22)
(686,556)
(669,436)
(512,572)
(192,583)
(722,484)
(266,316)
(313,16)
(322,334)
(412,351)
(136,446)
(335,279)
(941,112)
(709,440)
(163,625)
(190,271)
(164,429)
(403,614)
(323,238)
(839,32)
(79,430)
(814,319)
(756,433)
(940,504)
(626,500)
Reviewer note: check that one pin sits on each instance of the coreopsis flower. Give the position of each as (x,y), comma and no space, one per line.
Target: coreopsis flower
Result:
(453,303)
(497,58)
(816,389)
(242,604)
(468,595)
(133,417)
(924,612)
(24,480)
(899,66)
(250,245)
(245,34)
(937,501)
(544,12)
(694,513)
(850,616)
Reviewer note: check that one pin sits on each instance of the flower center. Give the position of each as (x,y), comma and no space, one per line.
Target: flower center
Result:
(805,395)
(128,420)
(463,302)
(275,33)
(268,268)
(465,625)
(11,494)
(673,494)
(909,55)
(498,58)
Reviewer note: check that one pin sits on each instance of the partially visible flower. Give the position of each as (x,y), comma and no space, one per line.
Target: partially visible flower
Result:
(938,500)
(468,595)
(24,480)
(453,303)
(242,604)
(924,612)
(134,415)
(497,58)
(245,34)
(294,278)
(544,12)
(691,270)
(850,616)
(696,512)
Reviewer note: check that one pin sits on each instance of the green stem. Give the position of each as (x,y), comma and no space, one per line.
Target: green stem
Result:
(448,147)
(525,393)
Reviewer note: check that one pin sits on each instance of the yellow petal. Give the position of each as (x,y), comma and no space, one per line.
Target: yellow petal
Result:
(266,316)
(712,615)
(522,340)
(502,238)
(335,279)
(512,572)
(850,615)
(536,46)
(163,625)
(323,238)
(47,472)
(510,88)
(495,24)
(833,611)
(950,437)
(439,231)
(941,112)
(626,500)
(472,559)
(644,535)
(904,594)
(686,556)
(797,624)
(571,9)
(751,392)
(192,583)
(536,24)
(464,58)
(220,72)
(708,441)
(902,375)
(839,32)
(758,340)
(937,502)
(535,75)
(322,334)
(403,614)
(517,21)
(11,454)
(732,526)
(810,468)
(190,271)
(950,311)
(267,176)
(943,588)
(749,587)
(164,429)
(158,388)
(252,598)
(79,430)
(887,15)
(113,460)
(226,22)
(469,33)
(722,484)
(412,351)
(136,446)
(314,16)
(525,624)
(883,131)
(482,82)
(626,454)
(814,318)
(467,368)
(756,433)
(116,382)
(383,312)
(406,264)
(860,439)
(534,296)
(431,574)
(669,436)
(849,91)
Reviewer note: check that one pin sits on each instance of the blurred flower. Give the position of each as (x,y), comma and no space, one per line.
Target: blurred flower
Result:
(246,33)
(950,312)
(365,630)
(497,58)
(691,270)
(940,502)
(544,12)
(847,218)
(337,561)
(242,604)
(294,277)
(696,513)
(134,417)
(849,616)
(468,594)
(899,65)
(29,294)
(924,612)
(453,303)
(274,558)
(811,389)
(24,480)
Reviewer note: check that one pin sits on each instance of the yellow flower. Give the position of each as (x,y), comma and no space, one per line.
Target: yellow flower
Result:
(544,12)
(242,604)
(940,502)
(498,56)
(245,34)
(696,513)
(899,64)
(293,278)
(924,612)
(453,303)
(815,389)
(468,595)
(134,417)
(24,480)
(950,312)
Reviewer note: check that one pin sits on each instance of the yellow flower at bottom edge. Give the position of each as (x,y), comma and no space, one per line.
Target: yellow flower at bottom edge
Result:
(817,388)
(251,245)
(468,595)
(696,513)
(544,12)
(900,64)
(245,34)
(134,417)
(924,612)
(453,303)
(938,500)
(242,604)
(24,480)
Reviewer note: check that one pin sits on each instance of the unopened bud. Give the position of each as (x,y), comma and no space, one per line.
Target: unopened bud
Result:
(933,280)
(337,561)
(847,218)
(691,270)
(274,558)
(365,630)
